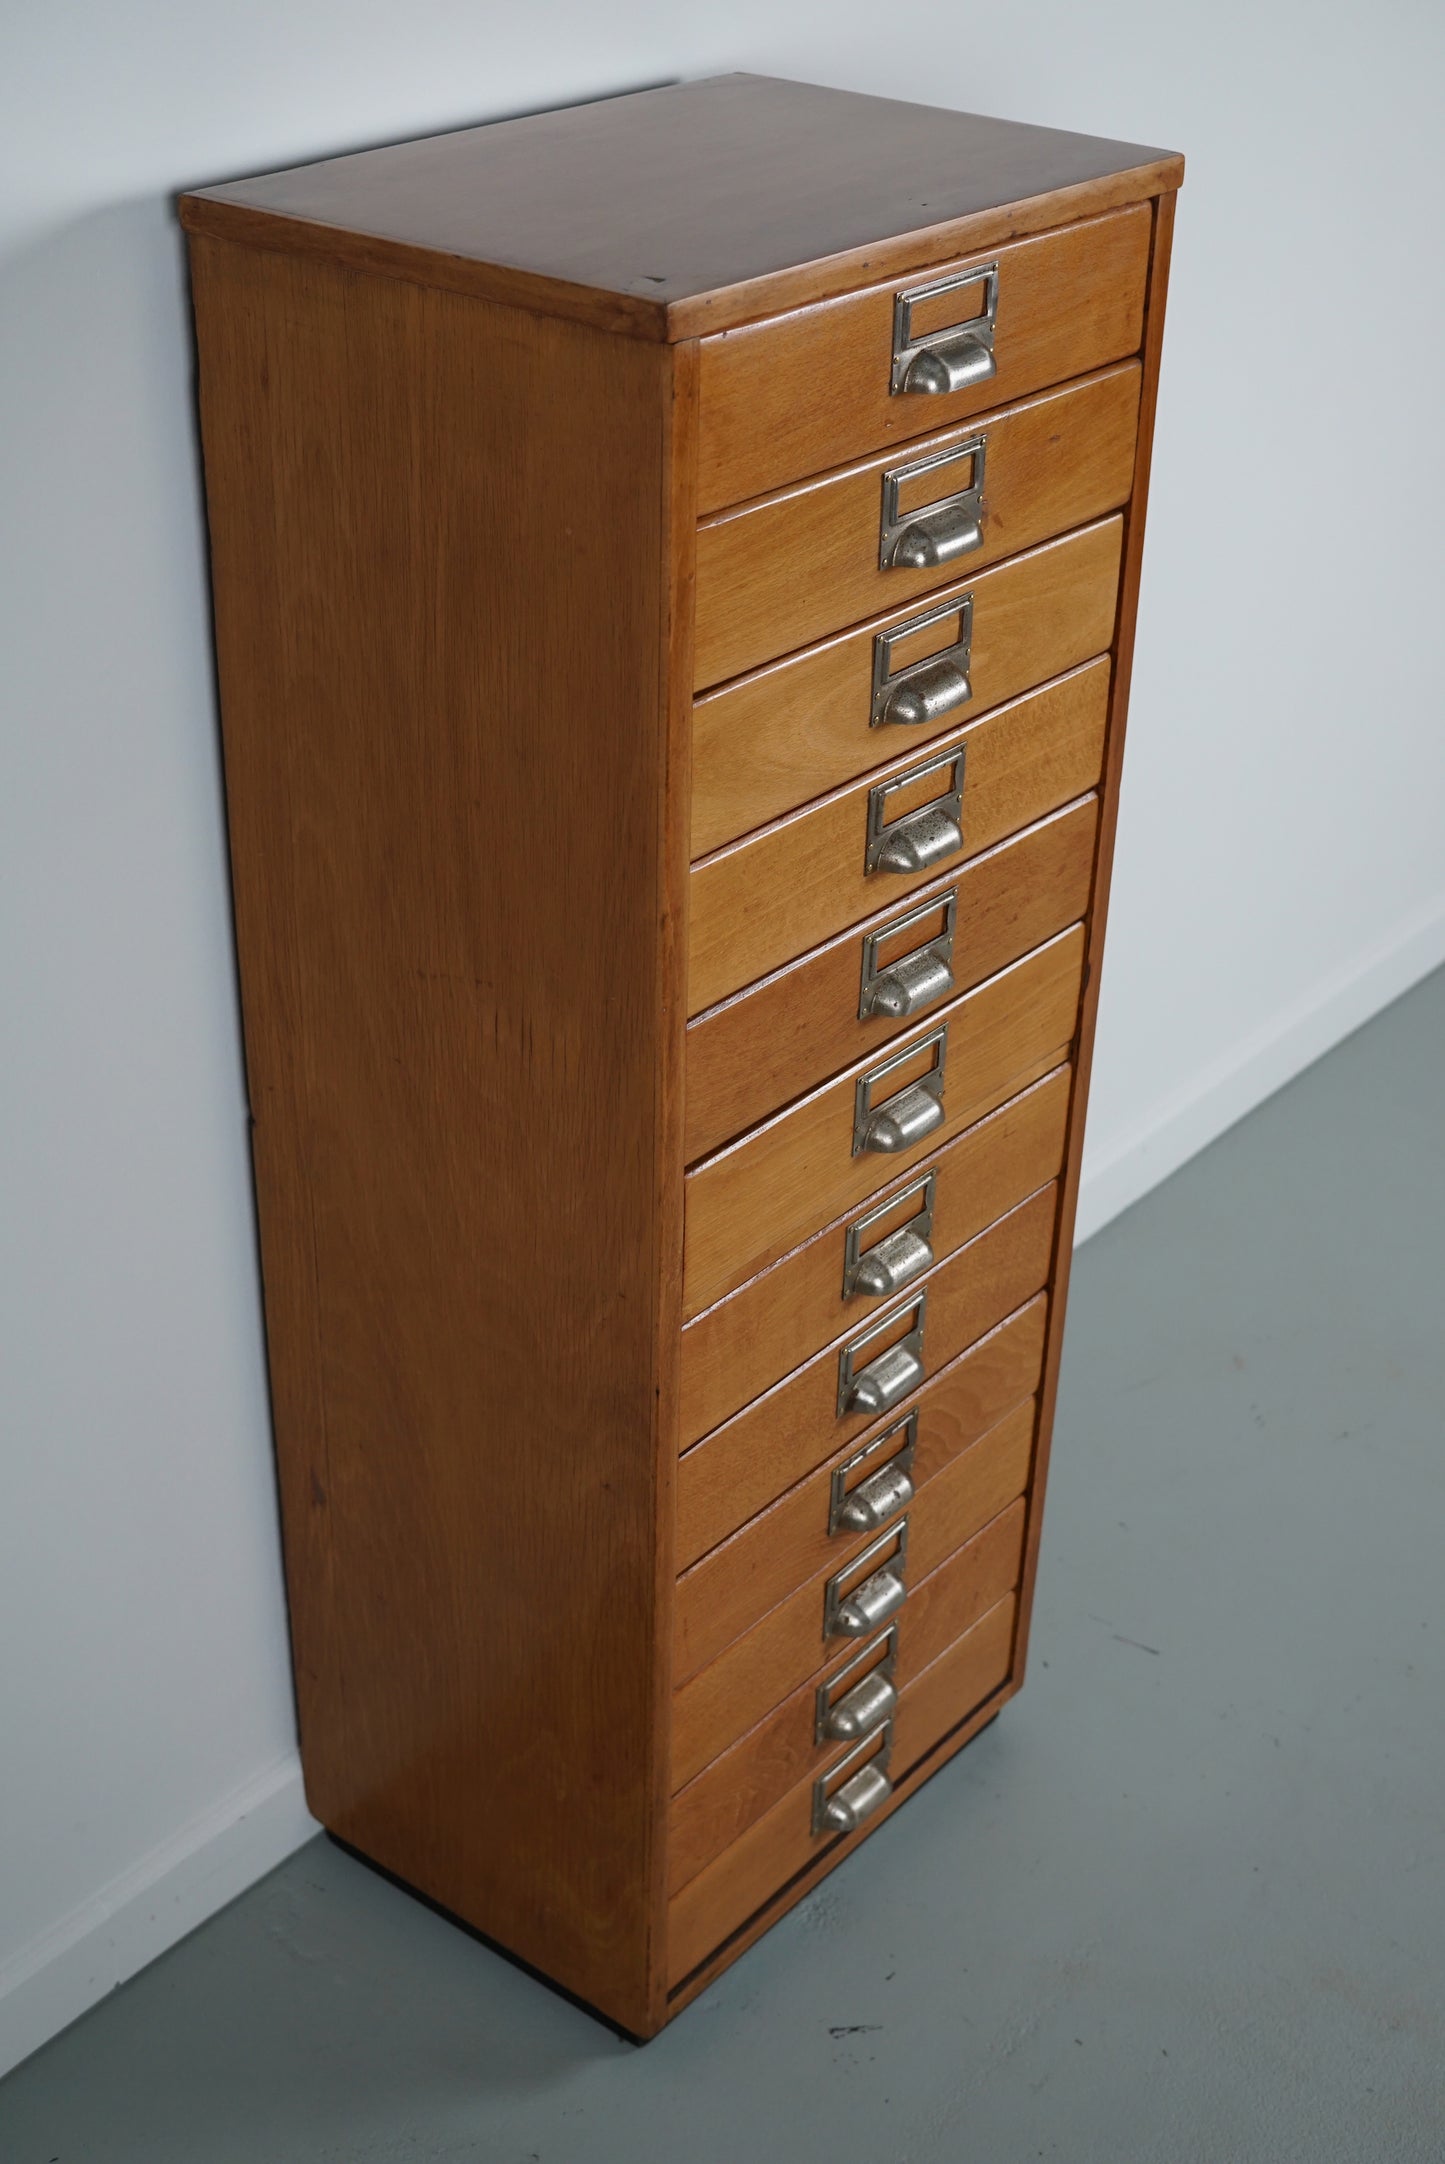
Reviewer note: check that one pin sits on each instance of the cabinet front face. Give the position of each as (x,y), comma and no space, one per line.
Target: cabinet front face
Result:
(672,744)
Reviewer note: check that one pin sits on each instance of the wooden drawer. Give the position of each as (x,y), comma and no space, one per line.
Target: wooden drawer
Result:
(739,1786)
(1068,301)
(729,1890)
(749,1204)
(739,1468)
(734,1351)
(788,1542)
(785,1647)
(773,740)
(759,905)
(781,572)
(755,1053)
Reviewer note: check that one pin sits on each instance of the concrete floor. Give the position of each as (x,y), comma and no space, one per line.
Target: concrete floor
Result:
(1185,1900)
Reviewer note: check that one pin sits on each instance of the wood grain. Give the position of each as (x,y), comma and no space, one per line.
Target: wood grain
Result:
(686,208)
(721,1596)
(787,889)
(725,1799)
(796,1425)
(789,568)
(786,1647)
(753,1201)
(1118,718)
(759,1051)
(1069,301)
(734,1351)
(770,742)
(467,1128)
(782,1841)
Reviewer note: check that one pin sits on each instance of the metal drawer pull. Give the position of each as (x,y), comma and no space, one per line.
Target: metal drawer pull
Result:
(893,1263)
(901,1121)
(923,690)
(948,527)
(858,1795)
(878,1387)
(919,839)
(915,980)
(902,1255)
(875,1596)
(870,1604)
(866,1706)
(880,1495)
(955,357)
(850,1702)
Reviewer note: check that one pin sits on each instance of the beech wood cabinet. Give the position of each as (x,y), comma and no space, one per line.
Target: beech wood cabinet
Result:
(675,565)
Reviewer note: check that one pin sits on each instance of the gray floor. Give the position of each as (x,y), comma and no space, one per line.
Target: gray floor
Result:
(1185,1900)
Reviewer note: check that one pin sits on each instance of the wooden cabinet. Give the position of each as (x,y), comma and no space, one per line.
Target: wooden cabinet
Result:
(675,565)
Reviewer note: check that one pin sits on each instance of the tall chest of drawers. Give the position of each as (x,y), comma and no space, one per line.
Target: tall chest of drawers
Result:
(674,565)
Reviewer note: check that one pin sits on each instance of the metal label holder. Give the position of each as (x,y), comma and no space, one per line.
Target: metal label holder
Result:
(971,341)
(920,1224)
(923,690)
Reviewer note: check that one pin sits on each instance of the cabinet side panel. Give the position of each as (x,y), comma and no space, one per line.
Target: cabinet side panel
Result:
(440,536)
(1123,653)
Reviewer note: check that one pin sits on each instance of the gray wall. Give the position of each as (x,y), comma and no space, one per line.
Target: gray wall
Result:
(1280,872)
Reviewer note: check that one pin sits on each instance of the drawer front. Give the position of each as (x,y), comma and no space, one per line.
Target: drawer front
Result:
(802,392)
(752,1202)
(726,1798)
(721,1898)
(765,744)
(758,1052)
(782,572)
(788,1645)
(721,1597)
(760,905)
(739,1469)
(735,1351)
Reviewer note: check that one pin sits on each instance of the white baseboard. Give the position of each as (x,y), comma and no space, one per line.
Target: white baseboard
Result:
(59,1976)
(1249,1072)
(51,1982)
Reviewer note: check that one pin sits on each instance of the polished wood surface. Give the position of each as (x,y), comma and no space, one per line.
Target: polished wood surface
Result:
(782,1841)
(725,1799)
(686,208)
(768,743)
(786,1646)
(438,1337)
(788,1541)
(751,1202)
(759,1051)
(742,1465)
(734,1351)
(787,889)
(781,572)
(1118,717)
(1069,301)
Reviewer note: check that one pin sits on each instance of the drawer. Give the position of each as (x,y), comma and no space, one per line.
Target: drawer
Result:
(787,1646)
(721,1898)
(784,1748)
(781,736)
(787,569)
(802,392)
(739,1468)
(734,1351)
(792,1539)
(769,899)
(757,1052)
(749,1204)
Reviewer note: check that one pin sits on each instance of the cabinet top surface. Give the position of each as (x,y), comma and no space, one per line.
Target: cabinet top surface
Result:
(676,210)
